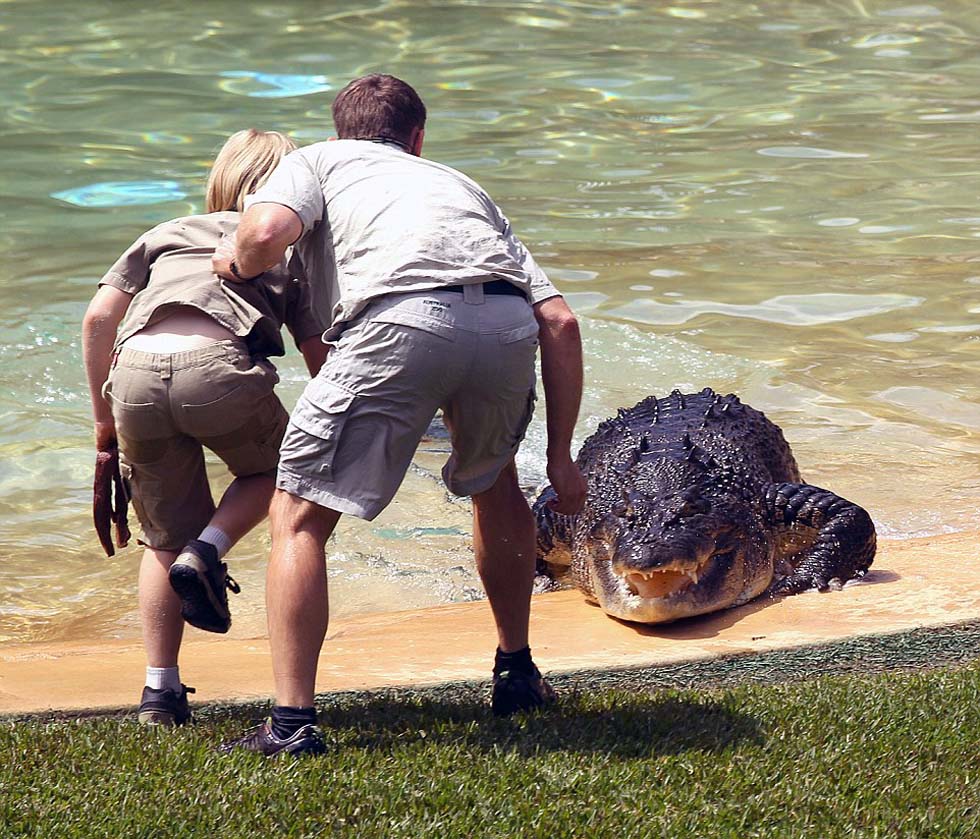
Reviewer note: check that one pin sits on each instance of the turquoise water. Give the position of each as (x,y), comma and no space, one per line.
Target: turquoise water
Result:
(776,199)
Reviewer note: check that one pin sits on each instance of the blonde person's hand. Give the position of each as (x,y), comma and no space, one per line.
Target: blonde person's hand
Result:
(224,255)
(568,483)
(105,435)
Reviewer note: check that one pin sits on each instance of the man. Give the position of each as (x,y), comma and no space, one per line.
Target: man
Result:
(430,292)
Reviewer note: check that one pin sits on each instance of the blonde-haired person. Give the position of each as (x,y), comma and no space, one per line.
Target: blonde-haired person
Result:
(177,361)
(244,163)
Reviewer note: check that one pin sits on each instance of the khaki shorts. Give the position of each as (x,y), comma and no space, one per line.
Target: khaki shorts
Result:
(353,432)
(167,407)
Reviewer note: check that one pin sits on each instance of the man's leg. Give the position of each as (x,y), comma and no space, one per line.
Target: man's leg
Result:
(296,595)
(296,602)
(504,541)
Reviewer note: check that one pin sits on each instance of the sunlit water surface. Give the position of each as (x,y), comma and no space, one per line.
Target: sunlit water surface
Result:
(775,199)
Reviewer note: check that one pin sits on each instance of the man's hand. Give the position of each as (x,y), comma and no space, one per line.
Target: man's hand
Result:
(221,261)
(568,483)
(264,233)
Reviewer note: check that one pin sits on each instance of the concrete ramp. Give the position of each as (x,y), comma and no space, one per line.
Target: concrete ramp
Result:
(915,583)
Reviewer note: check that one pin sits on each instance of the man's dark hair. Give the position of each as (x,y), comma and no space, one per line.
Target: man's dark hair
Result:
(378,106)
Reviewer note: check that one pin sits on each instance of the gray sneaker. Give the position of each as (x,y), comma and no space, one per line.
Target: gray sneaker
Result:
(164,707)
(201,581)
(304,741)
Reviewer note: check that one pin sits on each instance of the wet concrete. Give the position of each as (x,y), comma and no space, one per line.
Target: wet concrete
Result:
(928,582)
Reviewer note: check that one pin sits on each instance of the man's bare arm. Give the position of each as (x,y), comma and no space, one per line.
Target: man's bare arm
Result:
(102,319)
(266,230)
(561,372)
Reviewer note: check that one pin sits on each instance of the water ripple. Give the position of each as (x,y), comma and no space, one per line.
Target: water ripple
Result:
(790,309)
(806,152)
(273,85)
(697,178)
(122,193)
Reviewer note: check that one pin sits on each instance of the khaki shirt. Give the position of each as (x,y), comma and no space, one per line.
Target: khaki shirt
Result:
(378,220)
(171,266)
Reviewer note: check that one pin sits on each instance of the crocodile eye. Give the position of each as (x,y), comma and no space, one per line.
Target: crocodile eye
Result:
(692,508)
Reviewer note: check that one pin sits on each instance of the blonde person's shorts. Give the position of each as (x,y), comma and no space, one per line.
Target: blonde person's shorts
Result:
(168,407)
(352,435)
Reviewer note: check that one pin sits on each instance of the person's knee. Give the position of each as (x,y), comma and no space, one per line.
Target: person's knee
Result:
(504,505)
(504,486)
(292,515)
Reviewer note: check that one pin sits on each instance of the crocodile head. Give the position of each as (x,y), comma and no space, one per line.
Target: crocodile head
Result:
(680,543)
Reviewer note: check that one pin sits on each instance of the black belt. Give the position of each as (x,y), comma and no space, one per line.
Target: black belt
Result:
(492,287)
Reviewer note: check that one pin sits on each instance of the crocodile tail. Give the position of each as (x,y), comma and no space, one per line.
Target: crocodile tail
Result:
(837,536)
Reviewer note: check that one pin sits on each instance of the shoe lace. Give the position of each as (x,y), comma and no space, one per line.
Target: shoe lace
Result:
(256,733)
(230,583)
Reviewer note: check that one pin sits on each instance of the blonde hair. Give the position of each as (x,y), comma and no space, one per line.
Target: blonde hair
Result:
(244,163)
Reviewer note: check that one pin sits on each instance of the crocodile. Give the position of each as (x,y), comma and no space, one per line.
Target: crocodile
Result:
(695,504)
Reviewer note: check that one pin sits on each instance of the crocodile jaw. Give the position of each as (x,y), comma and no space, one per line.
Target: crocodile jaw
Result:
(661,582)
(677,590)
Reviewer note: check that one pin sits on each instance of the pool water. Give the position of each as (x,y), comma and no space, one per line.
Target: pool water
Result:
(772,199)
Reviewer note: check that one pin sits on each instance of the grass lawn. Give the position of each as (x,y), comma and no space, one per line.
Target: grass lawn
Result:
(882,754)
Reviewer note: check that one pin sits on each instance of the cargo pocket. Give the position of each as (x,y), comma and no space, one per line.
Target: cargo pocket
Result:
(126,473)
(126,479)
(320,414)
(532,397)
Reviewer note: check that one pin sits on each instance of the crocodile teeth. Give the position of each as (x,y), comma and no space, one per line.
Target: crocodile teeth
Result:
(658,584)
(652,575)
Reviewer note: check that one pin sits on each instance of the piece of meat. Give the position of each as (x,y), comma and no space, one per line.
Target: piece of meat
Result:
(110,501)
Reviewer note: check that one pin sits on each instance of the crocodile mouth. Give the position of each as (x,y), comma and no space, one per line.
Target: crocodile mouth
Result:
(661,583)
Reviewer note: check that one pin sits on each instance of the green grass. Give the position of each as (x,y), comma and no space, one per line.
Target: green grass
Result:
(879,755)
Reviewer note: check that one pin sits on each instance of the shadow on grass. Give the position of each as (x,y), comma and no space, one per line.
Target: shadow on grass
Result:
(458,716)
(640,727)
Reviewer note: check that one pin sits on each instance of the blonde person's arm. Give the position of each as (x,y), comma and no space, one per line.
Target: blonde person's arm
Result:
(102,319)
(561,373)
(260,242)
(314,353)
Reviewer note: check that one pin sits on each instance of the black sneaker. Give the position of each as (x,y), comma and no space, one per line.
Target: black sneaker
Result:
(164,707)
(200,581)
(304,741)
(515,690)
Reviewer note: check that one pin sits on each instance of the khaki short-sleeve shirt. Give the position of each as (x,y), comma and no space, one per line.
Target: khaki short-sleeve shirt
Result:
(170,265)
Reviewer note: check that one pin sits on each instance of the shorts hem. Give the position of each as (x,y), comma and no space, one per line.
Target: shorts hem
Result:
(310,489)
(162,544)
(474,486)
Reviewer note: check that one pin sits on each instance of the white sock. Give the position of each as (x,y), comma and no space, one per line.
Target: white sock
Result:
(217,537)
(163,678)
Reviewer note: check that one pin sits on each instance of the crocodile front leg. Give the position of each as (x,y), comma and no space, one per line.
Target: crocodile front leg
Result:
(826,539)
(555,532)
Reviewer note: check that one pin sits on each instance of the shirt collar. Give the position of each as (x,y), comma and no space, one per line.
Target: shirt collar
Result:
(385,141)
